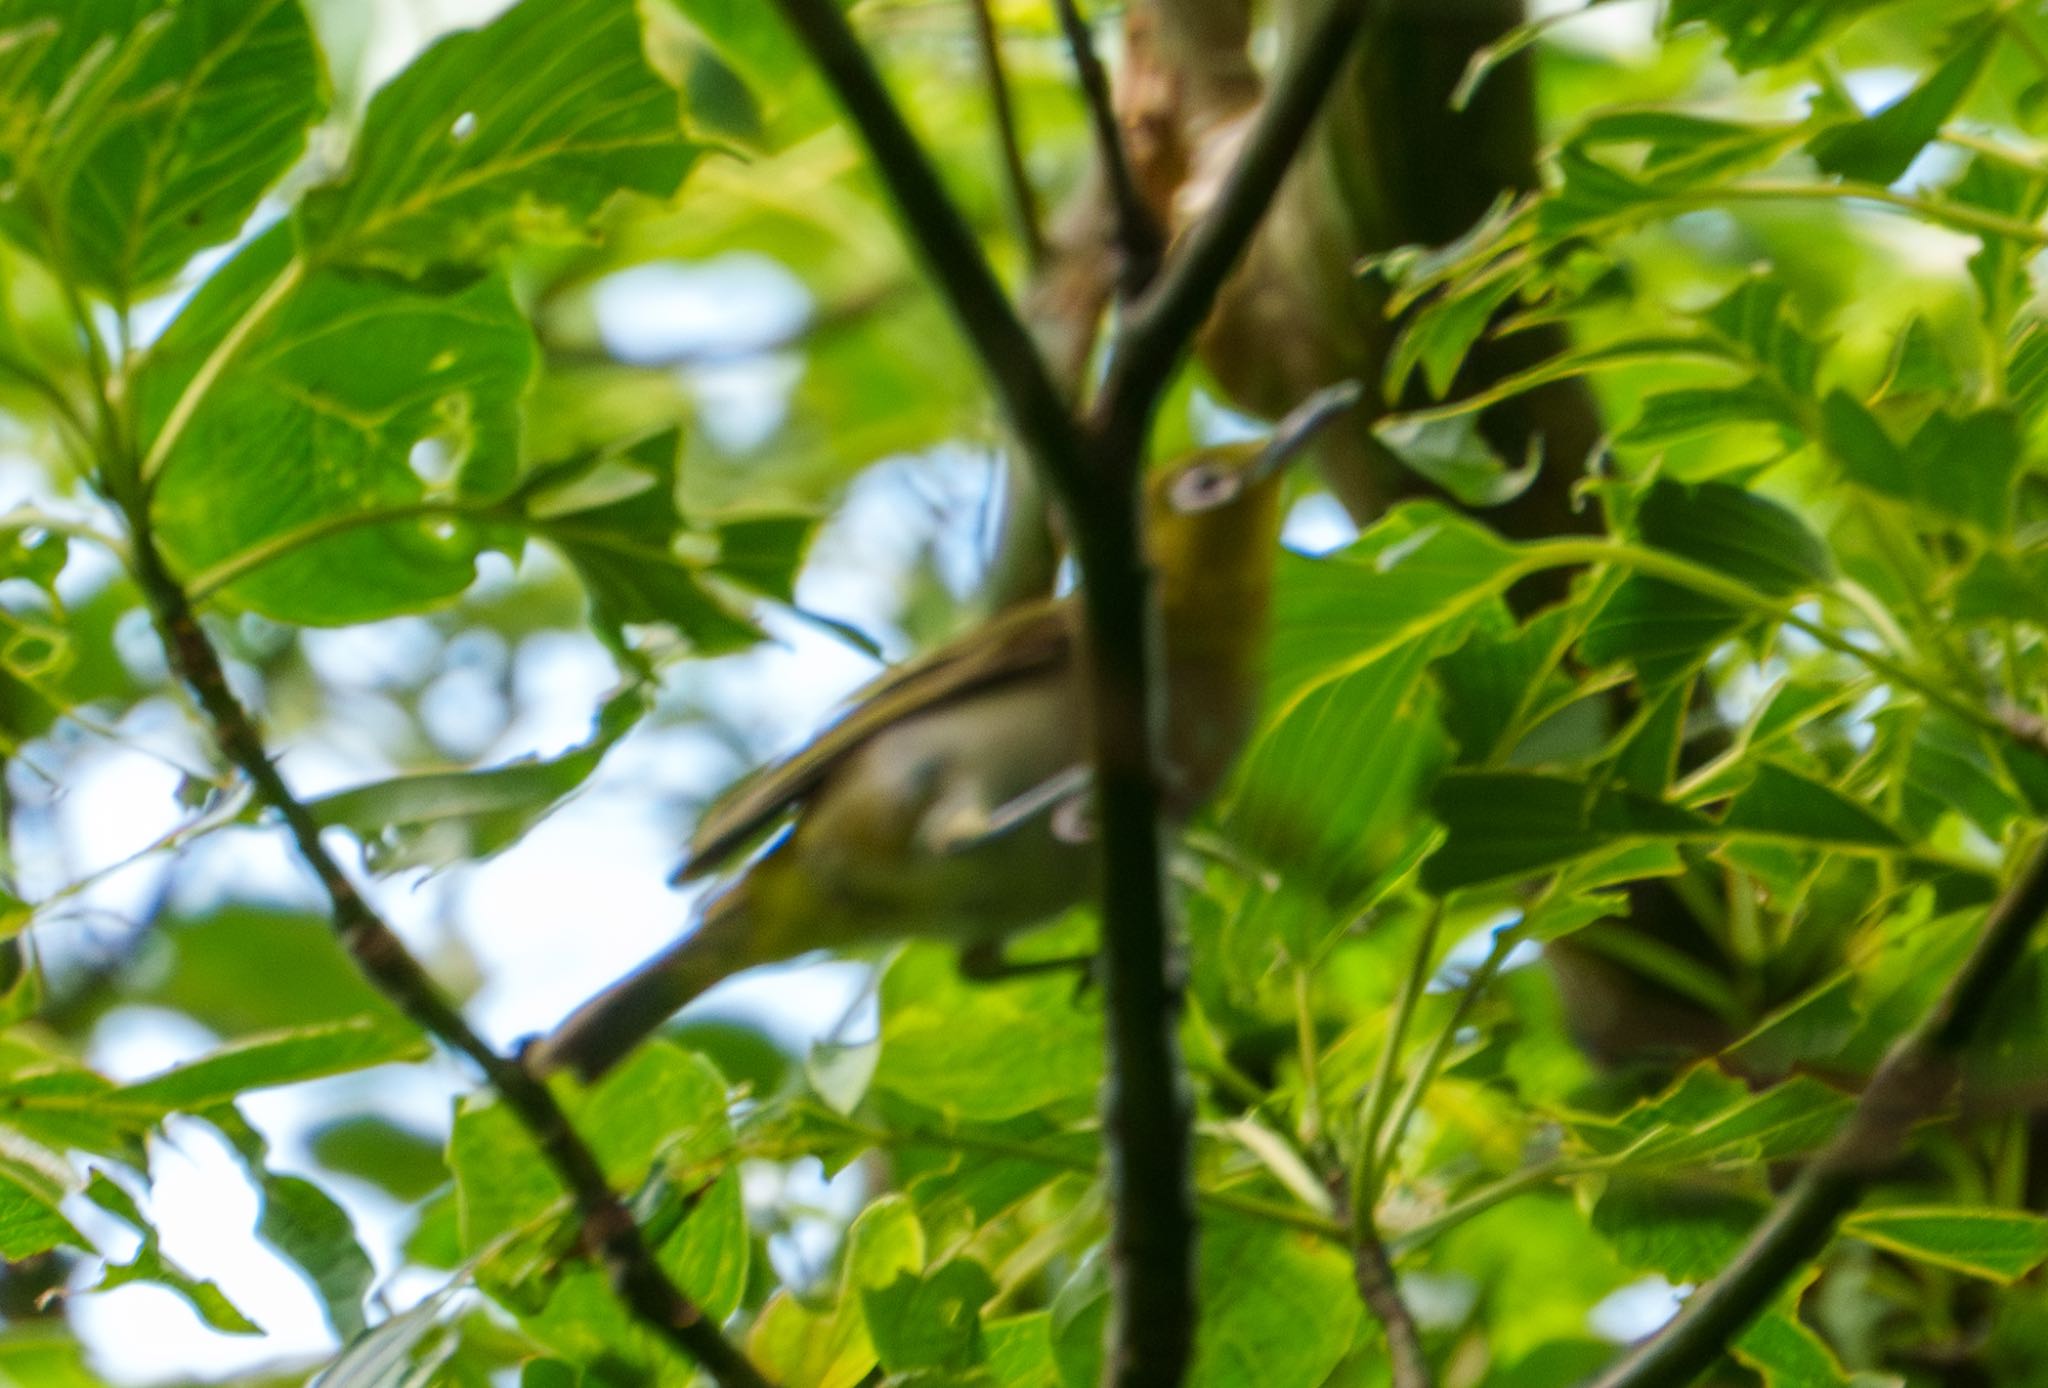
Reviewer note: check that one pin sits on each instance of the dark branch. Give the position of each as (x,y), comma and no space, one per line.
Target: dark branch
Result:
(1164,322)
(608,1233)
(1096,474)
(1915,1080)
(1140,240)
(1148,1111)
(1023,201)
(1037,410)
(1407,1364)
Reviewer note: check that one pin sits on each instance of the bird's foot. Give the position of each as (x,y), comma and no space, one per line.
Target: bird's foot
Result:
(987,962)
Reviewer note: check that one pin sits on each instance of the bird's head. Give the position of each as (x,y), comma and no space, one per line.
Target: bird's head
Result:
(1214,517)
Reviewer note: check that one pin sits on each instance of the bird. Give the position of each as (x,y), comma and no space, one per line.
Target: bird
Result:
(951,799)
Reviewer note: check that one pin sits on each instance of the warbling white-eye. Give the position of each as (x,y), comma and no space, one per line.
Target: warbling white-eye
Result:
(944,802)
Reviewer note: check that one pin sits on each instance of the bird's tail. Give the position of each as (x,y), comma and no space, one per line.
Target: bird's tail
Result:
(605,1029)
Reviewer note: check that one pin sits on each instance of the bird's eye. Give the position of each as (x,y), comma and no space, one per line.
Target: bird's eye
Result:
(1203,487)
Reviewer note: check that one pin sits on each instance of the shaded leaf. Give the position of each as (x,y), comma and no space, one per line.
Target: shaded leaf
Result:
(1999,1245)
(525,127)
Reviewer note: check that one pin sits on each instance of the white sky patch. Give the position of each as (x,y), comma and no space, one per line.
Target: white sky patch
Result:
(652,314)
(1629,1313)
(1318,524)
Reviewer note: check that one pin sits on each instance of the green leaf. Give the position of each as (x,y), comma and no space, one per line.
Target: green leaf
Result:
(304,1226)
(1453,454)
(30,1220)
(1020,1351)
(1735,532)
(284,1057)
(930,1320)
(523,128)
(303,1222)
(1681,149)
(1417,571)
(145,132)
(150,1265)
(1339,832)
(764,551)
(1764,33)
(614,517)
(296,478)
(404,1163)
(984,1053)
(1512,824)
(1878,148)
(793,1344)
(1708,1119)
(221,969)
(1962,467)
(400,1349)
(1999,1245)
(1788,1354)
(1779,803)
(432,819)
(1282,1309)
(1686,1231)
(658,1126)
(1673,416)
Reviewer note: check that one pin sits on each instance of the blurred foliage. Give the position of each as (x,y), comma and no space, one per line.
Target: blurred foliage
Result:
(1577,927)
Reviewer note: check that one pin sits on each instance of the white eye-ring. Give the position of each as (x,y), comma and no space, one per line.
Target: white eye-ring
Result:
(1204,487)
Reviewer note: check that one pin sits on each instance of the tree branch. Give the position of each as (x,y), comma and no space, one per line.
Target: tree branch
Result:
(607,1231)
(1096,474)
(1023,202)
(1916,1079)
(1407,1363)
(1165,320)
(1037,410)
(1140,240)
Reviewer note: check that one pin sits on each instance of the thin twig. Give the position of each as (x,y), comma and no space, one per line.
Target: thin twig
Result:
(607,1233)
(1165,320)
(1916,1079)
(1140,239)
(1037,410)
(1023,200)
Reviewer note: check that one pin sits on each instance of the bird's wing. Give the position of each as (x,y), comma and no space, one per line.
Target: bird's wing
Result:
(1026,640)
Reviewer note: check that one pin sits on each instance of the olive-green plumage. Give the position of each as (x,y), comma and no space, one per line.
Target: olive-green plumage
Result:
(944,802)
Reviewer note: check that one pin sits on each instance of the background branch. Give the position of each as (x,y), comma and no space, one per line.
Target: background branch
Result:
(1139,238)
(1023,201)
(607,1232)
(1164,322)
(1036,408)
(1916,1079)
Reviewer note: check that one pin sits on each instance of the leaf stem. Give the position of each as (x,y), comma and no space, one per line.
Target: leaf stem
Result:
(1366,1173)
(1425,1071)
(217,360)
(1306,1220)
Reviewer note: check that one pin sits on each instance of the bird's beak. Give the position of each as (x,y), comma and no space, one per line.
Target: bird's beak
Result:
(1299,429)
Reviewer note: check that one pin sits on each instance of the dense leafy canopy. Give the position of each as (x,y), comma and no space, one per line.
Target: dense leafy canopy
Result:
(1575,882)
